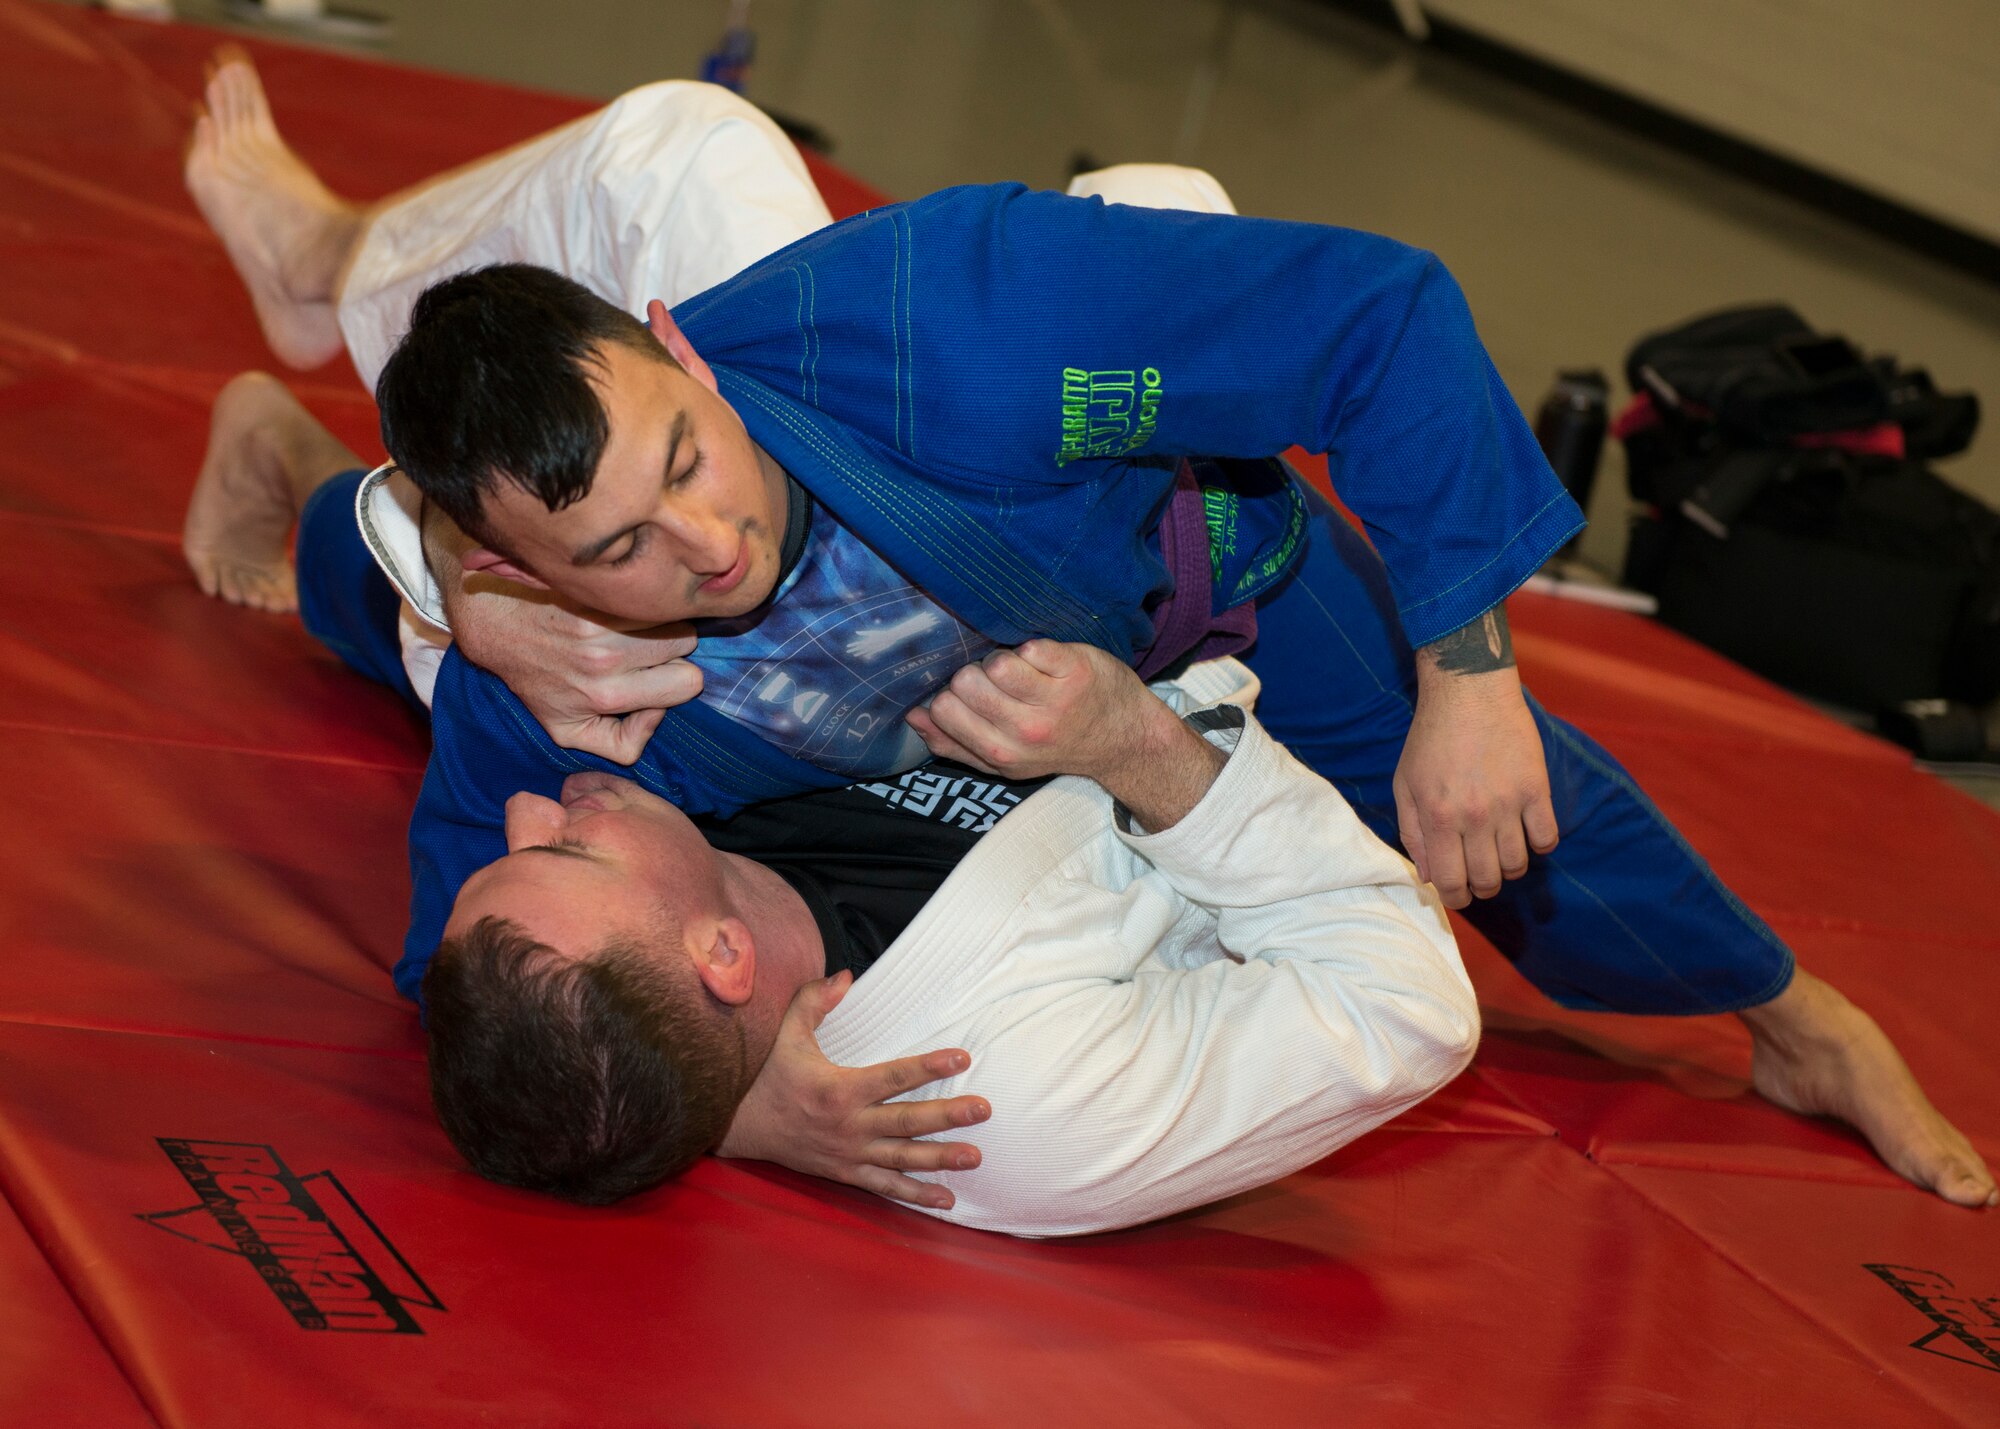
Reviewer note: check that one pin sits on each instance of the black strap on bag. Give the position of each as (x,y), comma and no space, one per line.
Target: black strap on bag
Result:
(1787,517)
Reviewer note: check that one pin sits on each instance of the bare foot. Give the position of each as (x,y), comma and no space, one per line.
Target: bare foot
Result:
(285,231)
(1816,1053)
(266,454)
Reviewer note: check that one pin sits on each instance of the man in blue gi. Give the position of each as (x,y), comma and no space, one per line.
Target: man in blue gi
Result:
(950,426)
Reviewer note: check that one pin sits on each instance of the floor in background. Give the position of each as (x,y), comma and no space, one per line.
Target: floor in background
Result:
(203,881)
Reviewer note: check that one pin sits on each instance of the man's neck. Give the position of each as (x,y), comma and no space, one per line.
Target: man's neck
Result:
(790,951)
(795,519)
(778,485)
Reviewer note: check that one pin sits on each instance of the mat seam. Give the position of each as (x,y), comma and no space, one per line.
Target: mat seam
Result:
(1821,923)
(95,528)
(77,1303)
(292,756)
(244,1039)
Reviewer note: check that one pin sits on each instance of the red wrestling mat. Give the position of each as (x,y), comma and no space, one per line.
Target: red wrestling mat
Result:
(203,884)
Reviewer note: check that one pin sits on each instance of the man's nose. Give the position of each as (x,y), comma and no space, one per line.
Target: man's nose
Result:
(707,542)
(533,820)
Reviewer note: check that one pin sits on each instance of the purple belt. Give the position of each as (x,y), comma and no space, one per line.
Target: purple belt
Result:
(1183,623)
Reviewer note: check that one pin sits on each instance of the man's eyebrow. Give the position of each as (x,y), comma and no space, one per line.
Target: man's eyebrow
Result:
(584,555)
(565,849)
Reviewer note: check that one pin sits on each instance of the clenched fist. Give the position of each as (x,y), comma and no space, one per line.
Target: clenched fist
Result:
(1045,708)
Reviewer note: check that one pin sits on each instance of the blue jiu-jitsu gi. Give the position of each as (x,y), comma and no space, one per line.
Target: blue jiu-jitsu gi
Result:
(990,388)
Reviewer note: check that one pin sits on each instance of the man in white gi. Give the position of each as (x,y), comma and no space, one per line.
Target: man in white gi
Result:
(1187,973)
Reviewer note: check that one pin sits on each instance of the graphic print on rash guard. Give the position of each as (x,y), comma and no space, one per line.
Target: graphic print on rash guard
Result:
(826,669)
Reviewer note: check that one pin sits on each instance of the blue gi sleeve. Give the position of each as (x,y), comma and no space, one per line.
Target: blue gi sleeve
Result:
(1044,336)
(479,759)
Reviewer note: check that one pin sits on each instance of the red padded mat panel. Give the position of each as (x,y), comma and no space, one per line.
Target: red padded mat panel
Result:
(118,449)
(1814,840)
(1872,872)
(126,318)
(1812,823)
(1624,697)
(1413,1279)
(1675,1091)
(1625,1104)
(108,634)
(188,889)
(1474,1105)
(82,446)
(54,1373)
(1909,1283)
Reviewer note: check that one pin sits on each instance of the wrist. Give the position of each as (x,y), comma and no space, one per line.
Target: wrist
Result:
(1160,786)
(1474,662)
(1437,680)
(1151,732)
(444,546)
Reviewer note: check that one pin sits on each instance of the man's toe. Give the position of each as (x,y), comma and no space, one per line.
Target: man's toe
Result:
(1967,1183)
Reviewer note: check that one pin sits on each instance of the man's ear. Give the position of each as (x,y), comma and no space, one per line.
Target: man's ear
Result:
(663,327)
(482,560)
(726,962)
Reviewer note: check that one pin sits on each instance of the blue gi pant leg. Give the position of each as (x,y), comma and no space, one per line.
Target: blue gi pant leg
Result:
(345,601)
(1623,917)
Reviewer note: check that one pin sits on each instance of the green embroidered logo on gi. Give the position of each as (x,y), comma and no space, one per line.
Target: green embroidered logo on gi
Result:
(1278,560)
(1107,413)
(1224,512)
(1220,507)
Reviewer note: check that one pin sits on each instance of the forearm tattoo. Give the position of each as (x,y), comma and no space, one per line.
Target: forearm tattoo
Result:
(1485,644)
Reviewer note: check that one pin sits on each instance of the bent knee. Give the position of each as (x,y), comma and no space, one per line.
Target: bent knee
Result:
(679,104)
(1155,186)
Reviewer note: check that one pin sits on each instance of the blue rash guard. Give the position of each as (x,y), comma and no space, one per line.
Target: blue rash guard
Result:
(826,669)
(991,387)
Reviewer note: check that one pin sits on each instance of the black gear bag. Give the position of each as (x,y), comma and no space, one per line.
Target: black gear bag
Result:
(1787,519)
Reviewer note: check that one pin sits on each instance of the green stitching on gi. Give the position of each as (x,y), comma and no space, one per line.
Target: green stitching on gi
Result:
(904,437)
(812,328)
(750,776)
(805,339)
(1108,413)
(908,341)
(808,326)
(1497,557)
(538,737)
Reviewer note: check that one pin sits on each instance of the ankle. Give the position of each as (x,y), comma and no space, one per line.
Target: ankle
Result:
(314,270)
(1797,1017)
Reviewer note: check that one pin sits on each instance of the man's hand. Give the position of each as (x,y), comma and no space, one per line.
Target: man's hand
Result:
(591,684)
(1472,787)
(1044,708)
(594,683)
(838,1123)
(1052,708)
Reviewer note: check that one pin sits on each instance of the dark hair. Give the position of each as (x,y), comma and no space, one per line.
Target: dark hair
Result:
(492,382)
(587,1078)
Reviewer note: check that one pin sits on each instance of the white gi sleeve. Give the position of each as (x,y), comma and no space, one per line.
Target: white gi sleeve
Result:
(1340,1001)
